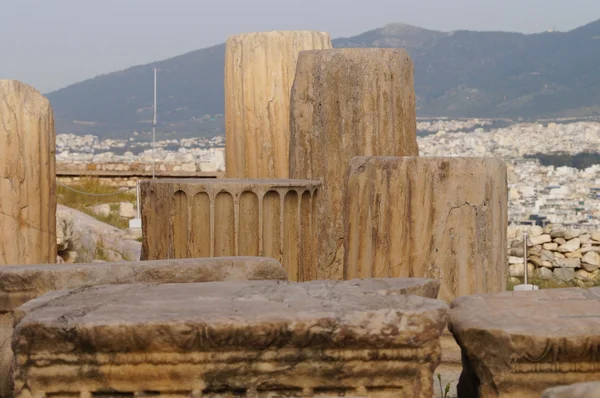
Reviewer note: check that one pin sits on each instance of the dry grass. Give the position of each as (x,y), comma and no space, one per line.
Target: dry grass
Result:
(93,186)
(555,283)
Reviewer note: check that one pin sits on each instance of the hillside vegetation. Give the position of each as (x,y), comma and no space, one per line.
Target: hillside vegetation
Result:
(457,74)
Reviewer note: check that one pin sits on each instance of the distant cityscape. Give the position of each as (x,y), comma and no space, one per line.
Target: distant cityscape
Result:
(538,192)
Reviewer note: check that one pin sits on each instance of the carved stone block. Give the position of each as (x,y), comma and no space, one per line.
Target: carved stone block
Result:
(27,176)
(442,218)
(346,103)
(518,344)
(229,217)
(247,339)
(259,72)
(19,284)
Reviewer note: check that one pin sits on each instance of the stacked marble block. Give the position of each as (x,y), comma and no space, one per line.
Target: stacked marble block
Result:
(528,344)
(20,284)
(256,209)
(373,338)
(376,208)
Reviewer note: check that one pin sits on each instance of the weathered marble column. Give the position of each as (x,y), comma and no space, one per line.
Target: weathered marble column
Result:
(442,218)
(27,176)
(228,217)
(346,103)
(259,72)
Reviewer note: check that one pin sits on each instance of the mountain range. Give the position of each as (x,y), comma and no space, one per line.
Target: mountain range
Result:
(457,74)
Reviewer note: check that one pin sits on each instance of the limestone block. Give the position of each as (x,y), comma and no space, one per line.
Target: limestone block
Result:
(248,339)
(346,103)
(578,390)
(441,218)
(518,344)
(184,218)
(27,176)
(259,72)
(19,284)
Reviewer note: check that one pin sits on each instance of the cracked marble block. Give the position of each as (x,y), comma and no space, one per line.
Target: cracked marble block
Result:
(27,176)
(441,218)
(185,218)
(19,284)
(346,103)
(244,339)
(520,344)
(259,72)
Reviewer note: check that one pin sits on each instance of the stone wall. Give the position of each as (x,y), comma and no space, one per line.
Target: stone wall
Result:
(554,253)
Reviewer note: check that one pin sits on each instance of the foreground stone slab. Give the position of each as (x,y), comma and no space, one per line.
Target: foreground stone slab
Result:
(579,390)
(518,344)
(346,103)
(252,339)
(229,217)
(27,176)
(259,72)
(19,284)
(442,218)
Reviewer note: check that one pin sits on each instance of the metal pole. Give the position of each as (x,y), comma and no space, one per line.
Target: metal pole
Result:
(154,129)
(525,256)
(137,199)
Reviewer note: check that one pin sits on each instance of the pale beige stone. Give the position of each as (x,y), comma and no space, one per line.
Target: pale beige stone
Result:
(442,218)
(515,260)
(259,72)
(324,338)
(183,218)
(591,258)
(27,176)
(535,231)
(575,254)
(540,239)
(517,344)
(19,284)
(570,246)
(595,236)
(346,103)
(550,246)
(578,390)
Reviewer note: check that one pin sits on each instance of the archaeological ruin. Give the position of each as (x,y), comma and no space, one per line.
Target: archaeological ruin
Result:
(331,261)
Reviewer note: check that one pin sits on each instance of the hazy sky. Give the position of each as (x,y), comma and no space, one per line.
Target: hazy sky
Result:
(53,43)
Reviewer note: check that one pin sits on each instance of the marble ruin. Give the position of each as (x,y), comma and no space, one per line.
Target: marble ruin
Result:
(259,72)
(442,218)
(231,217)
(346,103)
(27,176)
(518,344)
(257,339)
(19,284)
(361,242)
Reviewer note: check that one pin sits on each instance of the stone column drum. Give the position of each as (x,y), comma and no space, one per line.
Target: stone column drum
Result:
(346,103)
(27,176)
(441,218)
(183,218)
(259,72)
